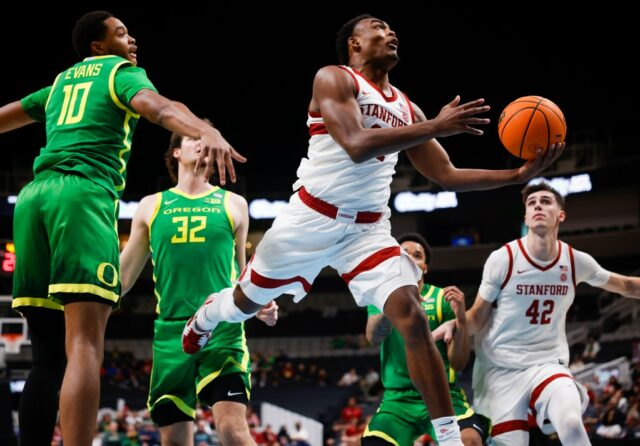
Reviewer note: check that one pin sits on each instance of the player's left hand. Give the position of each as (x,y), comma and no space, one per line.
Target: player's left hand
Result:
(455,297)
(533,167)
(269,313)
(444,331)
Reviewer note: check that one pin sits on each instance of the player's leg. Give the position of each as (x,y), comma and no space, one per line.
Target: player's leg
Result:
(474,428)
(379,273)
(286,261)
(80,217)
(400,419)
(503,395)
(560,402)
(85,324)
(39,401)
(228,396)
(177,434)
(565,414)
(172,393)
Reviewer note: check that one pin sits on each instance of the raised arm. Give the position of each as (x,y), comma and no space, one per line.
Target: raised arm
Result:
(458,350)
(334,97)
(136,252)
(13,116)
(432,161)
(176,117)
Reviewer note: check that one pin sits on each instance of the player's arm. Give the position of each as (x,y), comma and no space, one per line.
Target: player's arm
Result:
(136,252)
(588,270)
(13,116)
(334,97)
(240,213)
(176,117)
(432,161)
(378,328)
(627,286)
(458,350)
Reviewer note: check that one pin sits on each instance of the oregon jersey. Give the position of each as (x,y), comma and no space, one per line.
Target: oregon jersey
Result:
(89,120)
(394,370)
(193,253)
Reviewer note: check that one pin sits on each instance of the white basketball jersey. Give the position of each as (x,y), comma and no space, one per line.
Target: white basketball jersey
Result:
(329,174)
(527,325)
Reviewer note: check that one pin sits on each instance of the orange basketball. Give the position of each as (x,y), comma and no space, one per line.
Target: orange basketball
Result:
(531,123)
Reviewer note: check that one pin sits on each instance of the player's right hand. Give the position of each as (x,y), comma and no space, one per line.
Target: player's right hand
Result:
(216,149)
(269,313)
(457,118)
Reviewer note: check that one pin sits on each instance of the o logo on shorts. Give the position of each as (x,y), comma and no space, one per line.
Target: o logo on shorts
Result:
(111,273)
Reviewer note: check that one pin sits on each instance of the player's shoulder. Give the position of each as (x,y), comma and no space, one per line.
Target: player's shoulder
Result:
(501,256)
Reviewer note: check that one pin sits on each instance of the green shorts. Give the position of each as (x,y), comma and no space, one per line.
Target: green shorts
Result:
(66,240)
(179,378)
(402,416)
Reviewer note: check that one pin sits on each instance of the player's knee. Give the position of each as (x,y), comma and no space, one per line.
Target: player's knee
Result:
(232,428)
(413,328)
(573,426)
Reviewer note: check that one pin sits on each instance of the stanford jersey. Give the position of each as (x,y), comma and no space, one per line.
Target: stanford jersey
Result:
(531,300)
(329,174)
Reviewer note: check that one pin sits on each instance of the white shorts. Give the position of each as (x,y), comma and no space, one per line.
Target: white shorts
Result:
(509,396)
(302,242)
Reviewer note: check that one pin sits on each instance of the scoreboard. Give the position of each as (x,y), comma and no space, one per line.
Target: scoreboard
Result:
(7,258)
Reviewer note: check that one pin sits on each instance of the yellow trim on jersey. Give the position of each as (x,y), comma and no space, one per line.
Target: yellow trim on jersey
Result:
(234,271)
(452,375)
(177,191)
(380,434)
(439,305)
(155,291)
(207,379)
(88,288)
(468,413)
(189,411)
(430,292)
(46,104)
(112,89)
(41,302)
(127,148)
(154,215)
(129,114)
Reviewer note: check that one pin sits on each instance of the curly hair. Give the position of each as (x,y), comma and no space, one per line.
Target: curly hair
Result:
(89,28)
(342,39)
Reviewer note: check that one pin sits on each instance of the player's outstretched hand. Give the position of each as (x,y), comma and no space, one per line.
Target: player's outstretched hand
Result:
(455,118)
(216,149)
(536,165)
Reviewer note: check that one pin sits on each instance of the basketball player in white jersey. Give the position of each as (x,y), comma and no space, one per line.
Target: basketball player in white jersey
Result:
(519,316)
(338,216)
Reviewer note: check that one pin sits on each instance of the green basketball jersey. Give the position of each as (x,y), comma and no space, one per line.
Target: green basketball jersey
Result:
(89,119)
(393,362)
(192,244)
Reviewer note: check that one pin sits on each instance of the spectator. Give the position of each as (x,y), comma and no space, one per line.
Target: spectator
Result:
(349,378)
(591,349)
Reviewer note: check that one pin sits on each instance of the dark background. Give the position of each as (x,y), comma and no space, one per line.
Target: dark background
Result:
(250,70)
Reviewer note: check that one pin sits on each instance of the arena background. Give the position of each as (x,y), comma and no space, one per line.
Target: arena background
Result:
(249,68)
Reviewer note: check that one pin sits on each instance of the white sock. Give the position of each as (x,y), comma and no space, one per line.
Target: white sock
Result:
(447,431)
(221,308)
